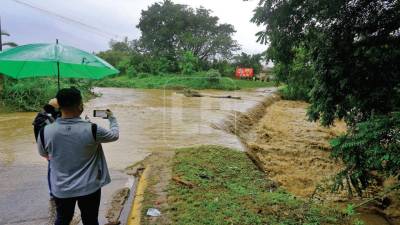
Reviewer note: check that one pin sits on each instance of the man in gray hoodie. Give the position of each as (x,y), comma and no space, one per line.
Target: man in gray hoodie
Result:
(77,163)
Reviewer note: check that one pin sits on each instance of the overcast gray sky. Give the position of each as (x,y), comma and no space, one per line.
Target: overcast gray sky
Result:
(114,18)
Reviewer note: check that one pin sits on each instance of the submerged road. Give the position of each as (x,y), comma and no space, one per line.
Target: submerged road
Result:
(149,120)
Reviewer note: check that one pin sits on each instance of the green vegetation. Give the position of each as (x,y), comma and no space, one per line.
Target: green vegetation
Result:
(169,30)
(229,189)
(177,39)
(374,146)
(342,56)
(198,80)
(297,76)
(33,94)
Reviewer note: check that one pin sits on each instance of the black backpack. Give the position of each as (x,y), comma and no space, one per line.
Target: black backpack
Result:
(47,116)
(40,121)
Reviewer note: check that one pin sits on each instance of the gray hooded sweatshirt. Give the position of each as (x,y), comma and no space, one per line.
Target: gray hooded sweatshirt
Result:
(77,163)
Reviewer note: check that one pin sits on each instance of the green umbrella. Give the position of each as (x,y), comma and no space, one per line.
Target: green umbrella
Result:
(54,60)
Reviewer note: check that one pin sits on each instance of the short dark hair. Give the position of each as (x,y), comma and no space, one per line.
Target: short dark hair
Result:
(69,97)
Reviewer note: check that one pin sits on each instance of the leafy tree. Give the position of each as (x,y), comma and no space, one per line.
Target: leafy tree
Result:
(297,76)
(118,54)
(169,29)
(353,48)
(224,67)
(114,57)
(188,63)
(158,65)
(122,46)
(373,146)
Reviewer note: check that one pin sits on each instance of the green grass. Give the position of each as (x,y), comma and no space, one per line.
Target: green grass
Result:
(230,190)
(176,81)
(33,94)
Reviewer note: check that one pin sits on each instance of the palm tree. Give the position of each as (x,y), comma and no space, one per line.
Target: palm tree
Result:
(9,44)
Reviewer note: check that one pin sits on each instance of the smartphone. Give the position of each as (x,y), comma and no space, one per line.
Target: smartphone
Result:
(100,113)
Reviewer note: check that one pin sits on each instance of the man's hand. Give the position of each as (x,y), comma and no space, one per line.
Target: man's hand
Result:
(109,113)
(53,102)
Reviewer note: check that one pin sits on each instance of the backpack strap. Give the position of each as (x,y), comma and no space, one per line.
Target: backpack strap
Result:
(94,130)
(41,136)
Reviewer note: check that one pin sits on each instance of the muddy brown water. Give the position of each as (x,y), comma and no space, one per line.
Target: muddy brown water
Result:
(149,120)
(296,154)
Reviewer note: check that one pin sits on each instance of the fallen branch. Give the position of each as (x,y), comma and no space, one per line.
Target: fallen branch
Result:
(192,93)
(227,96)
(185,183)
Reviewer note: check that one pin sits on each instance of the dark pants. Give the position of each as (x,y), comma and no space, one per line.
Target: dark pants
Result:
(88,204)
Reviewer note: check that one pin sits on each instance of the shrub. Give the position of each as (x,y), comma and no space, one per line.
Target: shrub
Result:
(143,75)
(296,75)
(188,63)
(213,77)
(123,65)
(224,68)
(33,94)
(373,145)
(131,72)
(158,65)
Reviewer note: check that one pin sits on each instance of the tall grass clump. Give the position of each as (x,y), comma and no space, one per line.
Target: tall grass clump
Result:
(33,94)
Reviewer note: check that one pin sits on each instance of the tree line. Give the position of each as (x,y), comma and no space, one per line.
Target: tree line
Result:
(176,38)
(343,57)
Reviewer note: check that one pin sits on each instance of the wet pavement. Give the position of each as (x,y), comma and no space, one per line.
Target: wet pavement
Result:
(149,120)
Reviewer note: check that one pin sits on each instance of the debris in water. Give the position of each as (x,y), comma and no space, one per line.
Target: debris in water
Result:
(153,212)
(192,93)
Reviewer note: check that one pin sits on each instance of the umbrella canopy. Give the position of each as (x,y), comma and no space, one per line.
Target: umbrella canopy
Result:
(53,60)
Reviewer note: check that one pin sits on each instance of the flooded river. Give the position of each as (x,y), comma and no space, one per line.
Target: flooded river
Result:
(150,120)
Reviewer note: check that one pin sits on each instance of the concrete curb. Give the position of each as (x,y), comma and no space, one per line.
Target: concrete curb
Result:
(135,214)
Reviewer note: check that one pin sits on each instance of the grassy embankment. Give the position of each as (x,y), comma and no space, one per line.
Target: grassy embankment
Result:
(223,186)
(32,94)
(176,81)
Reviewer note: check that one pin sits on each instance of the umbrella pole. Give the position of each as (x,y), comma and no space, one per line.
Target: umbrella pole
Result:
(58,70)
(58,75)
